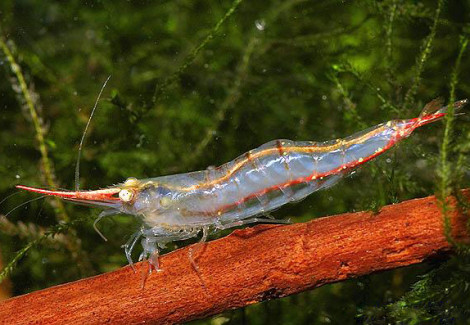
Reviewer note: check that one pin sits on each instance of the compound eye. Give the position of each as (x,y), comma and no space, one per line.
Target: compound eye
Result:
(126,195)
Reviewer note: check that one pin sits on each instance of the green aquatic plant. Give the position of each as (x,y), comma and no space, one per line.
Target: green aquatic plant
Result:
(442,294)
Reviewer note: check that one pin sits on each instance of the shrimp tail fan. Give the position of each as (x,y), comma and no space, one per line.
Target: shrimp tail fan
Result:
(432,107)
(435,110)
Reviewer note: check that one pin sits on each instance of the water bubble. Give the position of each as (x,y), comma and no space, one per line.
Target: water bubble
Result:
(324,97)
(260,24)
(17,176)
(388,160)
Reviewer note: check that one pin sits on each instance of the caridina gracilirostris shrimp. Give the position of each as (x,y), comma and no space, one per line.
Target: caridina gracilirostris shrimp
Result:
(178,207)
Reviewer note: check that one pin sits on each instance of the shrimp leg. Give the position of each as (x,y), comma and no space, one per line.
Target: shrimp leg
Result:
(129,247)
(205,234)
(192,260)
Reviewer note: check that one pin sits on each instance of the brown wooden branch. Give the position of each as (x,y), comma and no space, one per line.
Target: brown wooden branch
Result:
(246,267)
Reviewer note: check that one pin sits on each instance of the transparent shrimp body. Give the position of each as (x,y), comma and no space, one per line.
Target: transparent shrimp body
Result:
(178,207)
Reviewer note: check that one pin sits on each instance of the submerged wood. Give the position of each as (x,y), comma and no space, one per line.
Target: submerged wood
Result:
(248,266)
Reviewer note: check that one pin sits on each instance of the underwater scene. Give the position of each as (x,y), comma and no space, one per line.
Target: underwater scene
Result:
(131,129)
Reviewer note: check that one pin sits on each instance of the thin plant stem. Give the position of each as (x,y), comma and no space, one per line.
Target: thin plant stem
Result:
(234,92)
(347,67)
(160,88)
(389,45)
(315,39)
(58,229)
(39,130)
(73,245)
(446,166)
(231,99)
(425,53)
(350,112)
(388,33)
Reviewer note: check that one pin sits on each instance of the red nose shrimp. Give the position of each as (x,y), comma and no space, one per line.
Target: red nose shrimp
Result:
(240,192)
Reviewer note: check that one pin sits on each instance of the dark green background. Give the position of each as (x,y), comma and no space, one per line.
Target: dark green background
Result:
(301,70)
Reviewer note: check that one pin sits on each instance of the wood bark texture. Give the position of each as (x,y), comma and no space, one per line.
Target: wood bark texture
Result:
(248,266)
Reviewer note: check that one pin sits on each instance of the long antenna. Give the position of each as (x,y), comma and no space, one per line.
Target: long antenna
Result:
(77,166)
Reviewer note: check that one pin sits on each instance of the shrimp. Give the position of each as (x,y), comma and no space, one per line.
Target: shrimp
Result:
(240,192)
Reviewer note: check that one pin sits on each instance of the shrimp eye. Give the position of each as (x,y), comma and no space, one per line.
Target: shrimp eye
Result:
(126,195)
